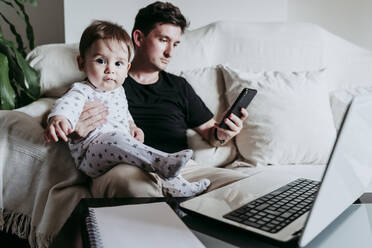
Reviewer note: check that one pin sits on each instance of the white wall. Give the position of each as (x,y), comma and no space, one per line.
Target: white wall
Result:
(350,19)
(199,12)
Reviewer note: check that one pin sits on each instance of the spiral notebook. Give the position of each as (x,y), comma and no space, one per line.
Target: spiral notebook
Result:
(139,225)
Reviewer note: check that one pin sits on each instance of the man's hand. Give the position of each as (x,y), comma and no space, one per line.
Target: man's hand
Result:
(58,126)
(235,125)
(136,132)
(93,115)
(207,129)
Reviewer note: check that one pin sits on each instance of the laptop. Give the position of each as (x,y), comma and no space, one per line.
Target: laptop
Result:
(285,208)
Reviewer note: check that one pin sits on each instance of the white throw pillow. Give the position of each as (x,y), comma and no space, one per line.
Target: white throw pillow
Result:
(340,100)
(208,84)
(290,119)
(57,66)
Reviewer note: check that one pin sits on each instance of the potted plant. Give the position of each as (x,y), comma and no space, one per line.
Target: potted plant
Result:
(19,82)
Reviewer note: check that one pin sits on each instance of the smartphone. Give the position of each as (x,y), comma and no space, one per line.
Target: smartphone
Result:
(243,100)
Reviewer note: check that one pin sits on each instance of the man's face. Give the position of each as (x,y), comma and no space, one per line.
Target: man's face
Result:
(158,46)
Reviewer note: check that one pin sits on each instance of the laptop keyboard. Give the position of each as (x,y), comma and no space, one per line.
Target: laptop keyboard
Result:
(274,211)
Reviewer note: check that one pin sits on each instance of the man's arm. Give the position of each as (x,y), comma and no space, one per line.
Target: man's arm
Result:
(218,136)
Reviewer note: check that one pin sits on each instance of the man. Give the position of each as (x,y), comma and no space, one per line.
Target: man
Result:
(162,105)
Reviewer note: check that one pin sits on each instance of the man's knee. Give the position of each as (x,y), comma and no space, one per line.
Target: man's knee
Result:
(126,181)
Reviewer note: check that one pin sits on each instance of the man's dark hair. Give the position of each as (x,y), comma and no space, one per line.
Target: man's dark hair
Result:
(159,12)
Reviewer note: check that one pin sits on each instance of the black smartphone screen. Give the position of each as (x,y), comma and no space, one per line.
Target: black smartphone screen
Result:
(243,100)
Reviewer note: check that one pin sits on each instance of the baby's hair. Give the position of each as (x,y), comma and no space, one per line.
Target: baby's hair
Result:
(104,30)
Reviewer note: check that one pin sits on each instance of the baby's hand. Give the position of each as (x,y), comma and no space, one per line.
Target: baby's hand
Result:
(136,132)
(58,126)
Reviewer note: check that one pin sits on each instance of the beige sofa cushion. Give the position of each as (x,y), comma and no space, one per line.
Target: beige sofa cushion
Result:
(290,119)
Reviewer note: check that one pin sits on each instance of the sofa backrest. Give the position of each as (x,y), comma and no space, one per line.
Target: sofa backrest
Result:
(275,46)
(252,46)
(241,45)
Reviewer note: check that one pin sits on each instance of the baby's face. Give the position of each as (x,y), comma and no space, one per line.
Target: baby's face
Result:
(106,64)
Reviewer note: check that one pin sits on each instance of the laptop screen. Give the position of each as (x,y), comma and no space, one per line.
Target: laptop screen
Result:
(348,171)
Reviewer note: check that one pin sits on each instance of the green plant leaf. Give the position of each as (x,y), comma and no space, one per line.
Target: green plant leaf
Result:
(23,77)
(16,34)
(31,77)
(29,29)
(31,2)
(1,32)
(7,47)
(7,94)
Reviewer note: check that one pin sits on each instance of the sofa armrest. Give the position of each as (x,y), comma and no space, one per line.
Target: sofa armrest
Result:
(38,109)
(36,179)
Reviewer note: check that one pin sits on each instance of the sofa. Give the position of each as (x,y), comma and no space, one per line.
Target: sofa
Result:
(305,77)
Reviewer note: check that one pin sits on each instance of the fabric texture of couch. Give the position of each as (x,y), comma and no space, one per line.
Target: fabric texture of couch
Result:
(305,75)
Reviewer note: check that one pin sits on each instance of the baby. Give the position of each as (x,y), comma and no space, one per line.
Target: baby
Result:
(105,52)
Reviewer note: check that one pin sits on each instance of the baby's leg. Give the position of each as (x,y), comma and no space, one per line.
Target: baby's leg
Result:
(180,187)
(109,149)
(168,165)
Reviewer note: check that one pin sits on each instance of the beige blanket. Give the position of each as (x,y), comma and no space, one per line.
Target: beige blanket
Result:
(41,187)
(39,184)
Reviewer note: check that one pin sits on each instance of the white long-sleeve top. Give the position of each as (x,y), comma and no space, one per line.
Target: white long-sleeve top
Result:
(71,105)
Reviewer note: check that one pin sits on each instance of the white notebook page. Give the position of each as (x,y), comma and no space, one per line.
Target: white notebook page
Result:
(143,225)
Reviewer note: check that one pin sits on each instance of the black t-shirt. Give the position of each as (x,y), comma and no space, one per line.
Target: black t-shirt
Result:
(164,110)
